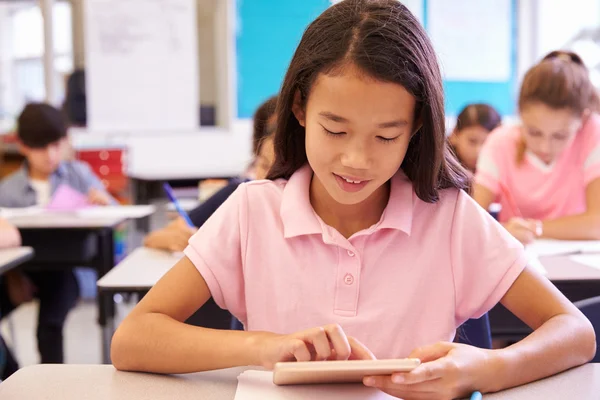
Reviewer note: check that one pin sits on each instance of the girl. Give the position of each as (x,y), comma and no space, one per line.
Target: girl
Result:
(473,125)
(546,171)
(328,260)
(175,236)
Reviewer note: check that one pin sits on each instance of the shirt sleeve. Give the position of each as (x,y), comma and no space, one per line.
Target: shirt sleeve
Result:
(591,163)
(203,212)
(216,250)
(486,259)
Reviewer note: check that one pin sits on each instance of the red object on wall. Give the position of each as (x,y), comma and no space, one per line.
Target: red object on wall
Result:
(109,166)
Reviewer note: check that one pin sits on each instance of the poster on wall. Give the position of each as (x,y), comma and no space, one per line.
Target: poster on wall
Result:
(141,65)
(468,48)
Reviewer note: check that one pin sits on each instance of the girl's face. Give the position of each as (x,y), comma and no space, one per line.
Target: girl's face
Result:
(468,142)
(357,133)
(547,131)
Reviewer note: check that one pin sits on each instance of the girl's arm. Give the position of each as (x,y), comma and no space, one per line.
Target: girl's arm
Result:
(483,196)
(524,230)
(153,337)
(563,337)
(585,226)
(9,235)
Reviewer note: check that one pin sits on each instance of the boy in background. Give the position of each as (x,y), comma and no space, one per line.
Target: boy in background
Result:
(42,139)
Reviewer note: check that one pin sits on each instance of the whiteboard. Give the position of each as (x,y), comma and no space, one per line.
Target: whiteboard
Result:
(472,38)
(141,65)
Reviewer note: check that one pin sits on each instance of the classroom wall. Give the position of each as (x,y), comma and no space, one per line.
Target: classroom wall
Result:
(262,56)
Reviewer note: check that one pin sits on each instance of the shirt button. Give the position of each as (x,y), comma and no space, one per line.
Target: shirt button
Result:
(348,279)
(350,253)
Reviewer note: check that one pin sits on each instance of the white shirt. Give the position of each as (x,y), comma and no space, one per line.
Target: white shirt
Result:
(42,190)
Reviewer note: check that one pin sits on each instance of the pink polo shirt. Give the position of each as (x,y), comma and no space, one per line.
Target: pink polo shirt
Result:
(407,281)
(540,191)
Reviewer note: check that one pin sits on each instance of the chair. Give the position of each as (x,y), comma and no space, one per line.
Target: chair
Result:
(591,309)
(476,332)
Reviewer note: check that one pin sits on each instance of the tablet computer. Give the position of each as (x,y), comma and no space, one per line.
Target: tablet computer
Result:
(312,372)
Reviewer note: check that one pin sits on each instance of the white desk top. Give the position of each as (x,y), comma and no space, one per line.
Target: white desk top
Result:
(144,267)
(139,271)
(103,382)
(211,153)
(161,174)
(89,218)
(562,268)
(10,258)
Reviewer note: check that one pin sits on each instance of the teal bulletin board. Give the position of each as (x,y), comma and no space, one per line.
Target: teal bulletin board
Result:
(268,32)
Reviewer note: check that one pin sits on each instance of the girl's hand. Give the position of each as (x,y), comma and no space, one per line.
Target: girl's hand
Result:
(173,239)
(525,230)
(316,344)
(448,371)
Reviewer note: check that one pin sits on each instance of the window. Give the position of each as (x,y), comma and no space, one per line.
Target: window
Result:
(22,46)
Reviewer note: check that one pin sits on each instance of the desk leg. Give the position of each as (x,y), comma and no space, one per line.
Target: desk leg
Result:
(106,304)
(141,194)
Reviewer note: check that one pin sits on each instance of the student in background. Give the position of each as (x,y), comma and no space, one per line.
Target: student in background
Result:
(9,237)
(327,259)
(175,236)
(546,171)
(473,125)
(42,138)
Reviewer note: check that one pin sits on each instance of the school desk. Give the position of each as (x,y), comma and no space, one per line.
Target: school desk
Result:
(103,382)
(10,258)
(139,271)
(67,240)
(576,281)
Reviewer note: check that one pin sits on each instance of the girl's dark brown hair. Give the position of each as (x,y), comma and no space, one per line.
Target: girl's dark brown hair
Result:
(384,40)
(261,122)
(560,80)
(479,114)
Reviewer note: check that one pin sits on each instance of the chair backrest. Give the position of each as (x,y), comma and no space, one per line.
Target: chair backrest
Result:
(476,332)
(591,309)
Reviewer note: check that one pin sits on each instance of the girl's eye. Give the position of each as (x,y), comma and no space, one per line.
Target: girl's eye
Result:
(336,134)
(387,140)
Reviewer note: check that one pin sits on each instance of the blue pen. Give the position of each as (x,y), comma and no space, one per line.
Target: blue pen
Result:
(169,191)
(476,396)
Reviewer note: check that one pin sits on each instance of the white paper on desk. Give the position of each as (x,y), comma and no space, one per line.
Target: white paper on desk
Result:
(551,247)
(258,385)
(591,260)
(126,212)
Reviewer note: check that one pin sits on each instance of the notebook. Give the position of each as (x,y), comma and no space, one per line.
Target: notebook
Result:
(66,198)
(258,385)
